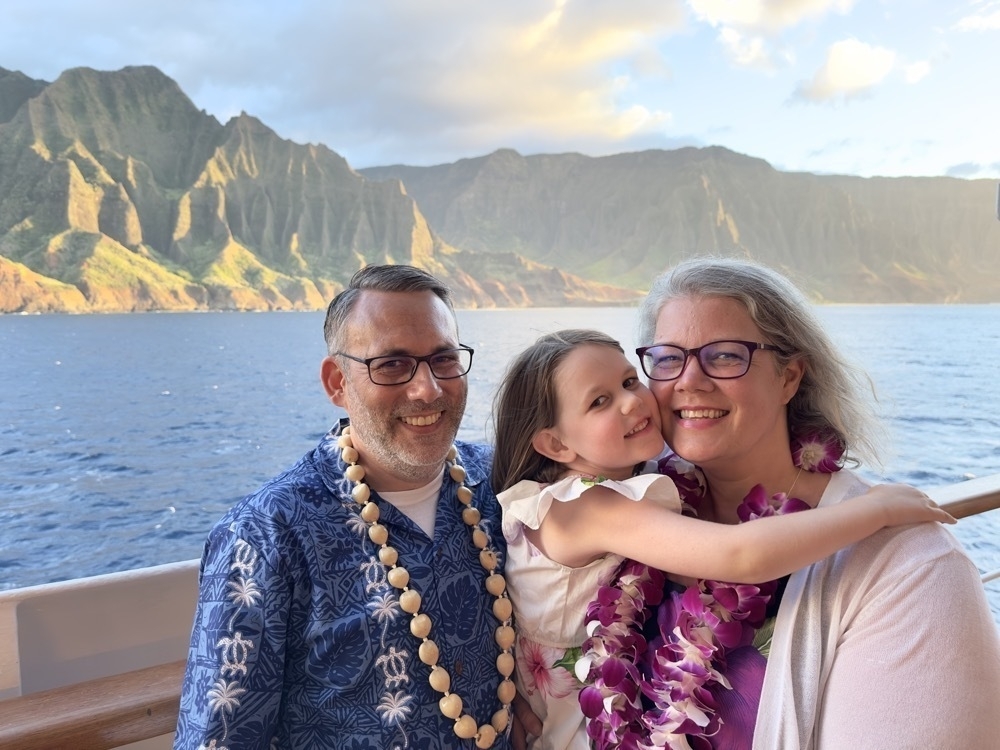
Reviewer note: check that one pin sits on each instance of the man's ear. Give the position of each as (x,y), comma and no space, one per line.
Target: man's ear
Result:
(333,380)
(548,444)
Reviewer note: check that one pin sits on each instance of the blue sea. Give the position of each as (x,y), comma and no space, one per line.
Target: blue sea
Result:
(124,437)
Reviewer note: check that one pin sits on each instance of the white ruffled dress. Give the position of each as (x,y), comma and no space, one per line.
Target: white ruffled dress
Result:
(550,600)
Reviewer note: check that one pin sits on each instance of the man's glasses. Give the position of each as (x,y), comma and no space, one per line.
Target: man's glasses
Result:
(396,369)
(720,360)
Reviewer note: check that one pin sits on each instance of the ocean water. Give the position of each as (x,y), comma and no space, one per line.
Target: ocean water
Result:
(124,437)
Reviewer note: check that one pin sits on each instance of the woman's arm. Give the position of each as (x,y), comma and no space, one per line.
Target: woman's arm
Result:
(602,521)
(912,630)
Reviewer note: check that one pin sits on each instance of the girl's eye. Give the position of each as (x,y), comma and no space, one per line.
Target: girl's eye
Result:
(599,401)
(630,383)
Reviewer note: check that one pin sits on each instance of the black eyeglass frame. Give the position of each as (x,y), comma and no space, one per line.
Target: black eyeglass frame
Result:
(416,363)
(751,346)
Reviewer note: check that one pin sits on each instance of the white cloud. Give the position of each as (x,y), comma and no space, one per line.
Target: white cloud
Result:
(768,16)
(916,72)
(765,16)
(446,77)
(746,51)
(747,28)
(387,77)
(985,18)
(567,73)
(383,81)
(973,170)
(851,69)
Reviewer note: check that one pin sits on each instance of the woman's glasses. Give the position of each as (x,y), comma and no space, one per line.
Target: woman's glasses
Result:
(721,360)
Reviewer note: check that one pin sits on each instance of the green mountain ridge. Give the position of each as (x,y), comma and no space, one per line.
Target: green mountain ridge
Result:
(118,194)
(116,189)
(623,218)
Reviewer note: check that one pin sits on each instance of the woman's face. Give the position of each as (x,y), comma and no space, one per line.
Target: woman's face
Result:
(728,427)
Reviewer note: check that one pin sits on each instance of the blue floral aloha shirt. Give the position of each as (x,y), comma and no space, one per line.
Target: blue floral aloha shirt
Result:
(299,641)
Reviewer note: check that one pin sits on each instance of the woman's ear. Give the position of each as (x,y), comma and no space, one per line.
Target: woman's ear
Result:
(792,376)
(548,444)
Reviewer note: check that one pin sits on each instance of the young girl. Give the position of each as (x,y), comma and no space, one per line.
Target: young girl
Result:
(575,429)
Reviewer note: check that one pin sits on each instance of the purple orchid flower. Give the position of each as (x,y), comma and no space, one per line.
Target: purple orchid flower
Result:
(816,451)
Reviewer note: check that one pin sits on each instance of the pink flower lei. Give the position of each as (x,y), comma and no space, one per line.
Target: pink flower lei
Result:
(674,704)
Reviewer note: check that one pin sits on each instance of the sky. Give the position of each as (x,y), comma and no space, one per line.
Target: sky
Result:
(860,87)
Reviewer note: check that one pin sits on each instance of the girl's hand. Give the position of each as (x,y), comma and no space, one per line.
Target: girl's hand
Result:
(902,504)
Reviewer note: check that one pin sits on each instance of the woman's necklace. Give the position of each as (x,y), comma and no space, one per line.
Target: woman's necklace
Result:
(788,492)
(742,509)
(450,704)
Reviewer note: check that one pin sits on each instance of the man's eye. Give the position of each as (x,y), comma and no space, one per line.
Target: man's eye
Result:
(445,360)
(388,365)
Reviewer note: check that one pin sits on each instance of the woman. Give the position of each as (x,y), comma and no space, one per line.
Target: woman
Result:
(887,644)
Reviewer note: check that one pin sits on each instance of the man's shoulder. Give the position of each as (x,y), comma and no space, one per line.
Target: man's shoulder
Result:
(477,458)
(474,448)
(284,496)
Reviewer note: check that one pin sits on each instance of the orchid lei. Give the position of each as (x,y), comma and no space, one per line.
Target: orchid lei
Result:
(642,695)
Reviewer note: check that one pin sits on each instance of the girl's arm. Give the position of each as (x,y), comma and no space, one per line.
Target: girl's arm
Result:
(602,521)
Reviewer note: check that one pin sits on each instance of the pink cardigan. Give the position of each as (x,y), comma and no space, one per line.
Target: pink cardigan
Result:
(889,643)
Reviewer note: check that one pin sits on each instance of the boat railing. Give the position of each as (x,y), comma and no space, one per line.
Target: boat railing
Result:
(97,663)
(970,498)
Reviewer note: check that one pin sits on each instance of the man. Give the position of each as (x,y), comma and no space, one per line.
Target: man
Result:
(345,603)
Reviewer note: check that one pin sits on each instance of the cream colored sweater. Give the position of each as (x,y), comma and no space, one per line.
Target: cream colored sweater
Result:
(890,644)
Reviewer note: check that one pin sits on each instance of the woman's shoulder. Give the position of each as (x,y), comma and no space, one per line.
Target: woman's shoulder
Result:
(894,550)
(918,543)
(844,485)
(932,538)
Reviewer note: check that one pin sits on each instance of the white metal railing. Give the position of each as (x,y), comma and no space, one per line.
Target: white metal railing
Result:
(969,498)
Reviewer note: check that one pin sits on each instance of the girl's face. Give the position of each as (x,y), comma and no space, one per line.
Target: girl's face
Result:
(727,427)
(607,420)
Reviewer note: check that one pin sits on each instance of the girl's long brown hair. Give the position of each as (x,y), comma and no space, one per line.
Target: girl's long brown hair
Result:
(527,402)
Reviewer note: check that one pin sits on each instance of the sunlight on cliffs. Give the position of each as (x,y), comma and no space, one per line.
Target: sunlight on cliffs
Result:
(722,217)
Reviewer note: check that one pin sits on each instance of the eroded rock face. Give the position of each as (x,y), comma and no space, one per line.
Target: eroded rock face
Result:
(622,219)
(115,185)
(24,291)
(117,193)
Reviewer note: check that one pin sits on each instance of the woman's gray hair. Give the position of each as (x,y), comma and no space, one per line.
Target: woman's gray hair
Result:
(835,396)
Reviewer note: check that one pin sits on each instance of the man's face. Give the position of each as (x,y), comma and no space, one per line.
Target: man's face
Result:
(403,432)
